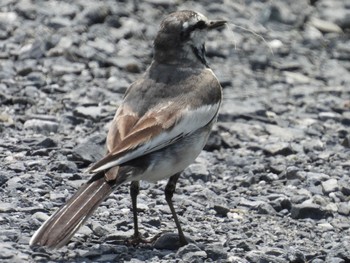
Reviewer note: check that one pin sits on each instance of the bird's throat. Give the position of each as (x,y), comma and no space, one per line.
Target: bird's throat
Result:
(199,52)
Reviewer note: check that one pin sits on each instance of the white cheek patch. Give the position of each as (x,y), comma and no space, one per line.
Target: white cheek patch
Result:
(185,25)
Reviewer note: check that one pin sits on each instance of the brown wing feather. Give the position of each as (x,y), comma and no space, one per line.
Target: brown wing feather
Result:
(121,126)
(135,133)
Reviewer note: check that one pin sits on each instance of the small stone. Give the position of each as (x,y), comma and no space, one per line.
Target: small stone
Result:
(47,143)
(198,171)
(35,50)
(117,85)
(58,22)
(216,252)
(6,118)
(316,178)
(249,203)
(153,222)
(281,203)
(102,45)
(3,179)
(41,126)
(325,226)
(6,207)
(96,14)
(6,252)
(8,17)
(162,3)
(107,258)
(142,207)
(125,62)
(133,68)
(270,177)
(296,78)
(190,253)
(325,26)
(92,112)
(67,68)
(313,145)
(296,256)
(57,197)
(330,185)
(307,210)
(335,260)
(214,142)
(17,167)
(91,150)
(65,167)
(42,217)
(246,246)
(85,231)
(170,241)
(292,173)
(344,187)
(221,210)
(344,208)
(324,116)
(36,79)
(281,148)
(119,235)
(266,209)
(99,230)
(320,200)
(331,207)
(274,251)
(346,142)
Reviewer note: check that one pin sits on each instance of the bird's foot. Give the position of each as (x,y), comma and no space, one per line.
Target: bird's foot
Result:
(137,239)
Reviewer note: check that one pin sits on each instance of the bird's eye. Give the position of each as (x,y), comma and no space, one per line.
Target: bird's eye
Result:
(187,30)
(201,24)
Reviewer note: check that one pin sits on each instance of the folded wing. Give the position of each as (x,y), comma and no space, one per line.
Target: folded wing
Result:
(131,137)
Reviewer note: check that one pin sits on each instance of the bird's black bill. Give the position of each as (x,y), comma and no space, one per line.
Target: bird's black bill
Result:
(216,24)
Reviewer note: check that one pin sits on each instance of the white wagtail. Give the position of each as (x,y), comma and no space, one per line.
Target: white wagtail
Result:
(159,129)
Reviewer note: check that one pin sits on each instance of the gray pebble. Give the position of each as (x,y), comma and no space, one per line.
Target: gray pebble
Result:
(216,252)
(191,252)
(344,208)
(171,241)
(307,210)
(282,148)
(266,209)
(331,185)
(91,150)
(41,126)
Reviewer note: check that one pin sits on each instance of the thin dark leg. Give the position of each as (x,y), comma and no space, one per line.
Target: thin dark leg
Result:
(134,191)
(169,192)
(136,5)
(136,238)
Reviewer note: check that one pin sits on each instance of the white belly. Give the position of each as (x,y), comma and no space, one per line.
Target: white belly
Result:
(175,158)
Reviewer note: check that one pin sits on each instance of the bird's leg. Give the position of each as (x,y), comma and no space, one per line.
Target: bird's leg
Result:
(136,238)
(169,192)
(134,192)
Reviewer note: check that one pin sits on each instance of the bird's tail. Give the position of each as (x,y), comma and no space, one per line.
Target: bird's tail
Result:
(61,226)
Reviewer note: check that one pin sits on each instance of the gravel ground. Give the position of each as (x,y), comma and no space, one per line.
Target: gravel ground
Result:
(273,184)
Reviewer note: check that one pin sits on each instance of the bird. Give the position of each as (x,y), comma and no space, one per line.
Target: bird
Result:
(159,129)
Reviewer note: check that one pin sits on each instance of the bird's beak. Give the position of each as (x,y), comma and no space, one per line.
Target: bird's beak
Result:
(216,24)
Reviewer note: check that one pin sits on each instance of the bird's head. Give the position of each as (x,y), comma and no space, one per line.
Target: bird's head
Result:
(181,37)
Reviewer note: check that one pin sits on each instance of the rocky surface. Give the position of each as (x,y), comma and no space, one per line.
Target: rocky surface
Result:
(273,184)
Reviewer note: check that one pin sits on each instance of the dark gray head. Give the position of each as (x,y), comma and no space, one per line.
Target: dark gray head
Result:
(181,38)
